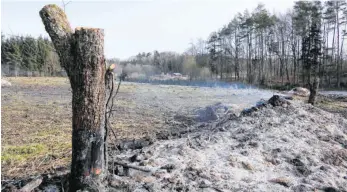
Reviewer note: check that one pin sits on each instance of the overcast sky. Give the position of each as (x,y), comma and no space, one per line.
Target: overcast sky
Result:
(136,26)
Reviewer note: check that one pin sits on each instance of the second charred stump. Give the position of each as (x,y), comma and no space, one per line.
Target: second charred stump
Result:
(274,101)
(277,100)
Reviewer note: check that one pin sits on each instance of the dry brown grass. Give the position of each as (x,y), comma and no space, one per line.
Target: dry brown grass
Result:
(36,132)
(50,81)
(34,138)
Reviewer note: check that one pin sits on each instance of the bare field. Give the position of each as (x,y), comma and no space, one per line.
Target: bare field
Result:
(36,117)
(292,147)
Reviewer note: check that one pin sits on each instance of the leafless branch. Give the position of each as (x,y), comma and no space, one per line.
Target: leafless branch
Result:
(65,4)
(110,101)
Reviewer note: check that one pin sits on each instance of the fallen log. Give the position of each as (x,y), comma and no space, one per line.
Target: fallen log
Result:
(31,185)
(144,169)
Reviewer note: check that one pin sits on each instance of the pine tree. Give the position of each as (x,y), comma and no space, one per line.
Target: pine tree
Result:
(156,59)
(311,49)
(42,51)
(212,47)
(12,55)
(29,53)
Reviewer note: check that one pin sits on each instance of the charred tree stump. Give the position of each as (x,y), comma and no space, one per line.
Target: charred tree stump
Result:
(81,54)
(277,100)
(313,91)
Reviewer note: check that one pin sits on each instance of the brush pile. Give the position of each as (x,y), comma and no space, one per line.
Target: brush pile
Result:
(280,145)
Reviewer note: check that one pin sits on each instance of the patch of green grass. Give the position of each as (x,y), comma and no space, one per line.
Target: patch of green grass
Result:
(16,154)
(47,133)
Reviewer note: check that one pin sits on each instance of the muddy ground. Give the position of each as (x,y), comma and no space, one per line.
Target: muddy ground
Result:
(293,148)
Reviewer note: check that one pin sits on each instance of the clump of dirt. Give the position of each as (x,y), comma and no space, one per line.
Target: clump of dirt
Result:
(291,147)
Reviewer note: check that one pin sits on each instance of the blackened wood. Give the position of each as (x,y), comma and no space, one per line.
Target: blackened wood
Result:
(126,165)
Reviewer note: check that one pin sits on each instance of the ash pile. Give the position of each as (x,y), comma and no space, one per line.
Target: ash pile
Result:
(278,145)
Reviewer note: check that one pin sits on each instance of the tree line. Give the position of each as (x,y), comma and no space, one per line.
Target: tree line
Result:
(257,47)
(282,47)
(23,55)
(266,48)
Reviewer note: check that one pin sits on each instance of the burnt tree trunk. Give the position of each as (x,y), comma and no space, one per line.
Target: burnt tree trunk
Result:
(81,54)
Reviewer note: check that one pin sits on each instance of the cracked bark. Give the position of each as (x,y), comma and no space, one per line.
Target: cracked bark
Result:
(81,54)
